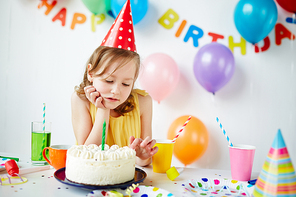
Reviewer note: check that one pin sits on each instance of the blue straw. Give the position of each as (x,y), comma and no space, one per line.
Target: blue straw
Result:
(224,132)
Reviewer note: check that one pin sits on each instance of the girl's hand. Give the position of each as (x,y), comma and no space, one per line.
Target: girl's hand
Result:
(144,148)
(94,96)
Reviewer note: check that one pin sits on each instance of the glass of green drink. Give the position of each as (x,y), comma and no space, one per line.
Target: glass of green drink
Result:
(40,138)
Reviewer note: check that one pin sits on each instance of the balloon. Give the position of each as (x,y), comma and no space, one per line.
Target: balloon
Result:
(213,66)
(95,6)
(254,19)
(108,5)
(289,5)
(193,140)
(159,75)
(139,8)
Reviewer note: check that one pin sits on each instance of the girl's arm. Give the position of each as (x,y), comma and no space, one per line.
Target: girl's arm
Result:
(86,132)
(95,136)
(144,145)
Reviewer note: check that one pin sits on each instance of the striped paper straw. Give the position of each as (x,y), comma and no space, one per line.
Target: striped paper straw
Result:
(182,128)
(43,123)
(224,132)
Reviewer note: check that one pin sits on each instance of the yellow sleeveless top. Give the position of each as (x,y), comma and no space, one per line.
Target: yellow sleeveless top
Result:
(122,127)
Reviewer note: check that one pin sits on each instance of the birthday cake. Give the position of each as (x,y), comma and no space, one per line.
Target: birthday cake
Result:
(93,166)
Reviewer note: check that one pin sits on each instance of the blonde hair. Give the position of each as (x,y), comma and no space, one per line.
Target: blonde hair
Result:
(112,55)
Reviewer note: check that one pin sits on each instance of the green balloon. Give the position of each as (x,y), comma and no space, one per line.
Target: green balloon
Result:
(108,5)
(95,6)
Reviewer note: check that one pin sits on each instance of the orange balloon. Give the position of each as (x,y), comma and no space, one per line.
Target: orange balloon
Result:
(193,140)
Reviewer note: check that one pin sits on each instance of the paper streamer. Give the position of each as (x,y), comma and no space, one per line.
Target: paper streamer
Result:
(11,167)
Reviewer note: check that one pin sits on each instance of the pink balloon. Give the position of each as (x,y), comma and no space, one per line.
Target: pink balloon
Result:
(159,75)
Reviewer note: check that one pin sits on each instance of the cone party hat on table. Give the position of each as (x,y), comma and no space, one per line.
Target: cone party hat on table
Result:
(277,177)
(121,33)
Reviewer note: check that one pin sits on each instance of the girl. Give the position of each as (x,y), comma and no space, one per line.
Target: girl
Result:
(106,94)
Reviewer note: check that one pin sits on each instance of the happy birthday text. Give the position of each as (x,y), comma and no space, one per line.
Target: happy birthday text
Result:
(168,20)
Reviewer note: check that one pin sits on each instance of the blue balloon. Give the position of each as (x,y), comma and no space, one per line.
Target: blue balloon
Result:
(139,8)
(254,19)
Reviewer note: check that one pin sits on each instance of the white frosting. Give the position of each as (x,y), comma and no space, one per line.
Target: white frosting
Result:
(86,154)
(92,147)
(100,156)
(94,152)
(106,147)
(90,165)
(114,147)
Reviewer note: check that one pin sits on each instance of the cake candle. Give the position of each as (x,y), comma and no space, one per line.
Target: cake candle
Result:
(103,134)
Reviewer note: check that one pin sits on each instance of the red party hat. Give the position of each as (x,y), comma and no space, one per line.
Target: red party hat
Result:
(121,33)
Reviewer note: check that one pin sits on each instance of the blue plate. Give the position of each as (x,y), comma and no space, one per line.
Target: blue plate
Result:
(140,175)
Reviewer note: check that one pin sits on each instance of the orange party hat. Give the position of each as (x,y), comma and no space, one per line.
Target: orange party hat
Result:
(121,33)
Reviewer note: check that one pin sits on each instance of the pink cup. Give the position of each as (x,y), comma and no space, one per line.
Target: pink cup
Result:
(241,161)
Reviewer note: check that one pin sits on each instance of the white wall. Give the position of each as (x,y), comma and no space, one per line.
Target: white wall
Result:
(42,61)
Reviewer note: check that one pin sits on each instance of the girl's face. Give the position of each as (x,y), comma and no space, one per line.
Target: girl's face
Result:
(115,88)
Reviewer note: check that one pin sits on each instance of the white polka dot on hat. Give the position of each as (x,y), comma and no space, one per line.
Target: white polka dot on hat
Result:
(121,34)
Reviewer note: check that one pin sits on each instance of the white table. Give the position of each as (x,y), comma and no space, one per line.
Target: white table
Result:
(43,183)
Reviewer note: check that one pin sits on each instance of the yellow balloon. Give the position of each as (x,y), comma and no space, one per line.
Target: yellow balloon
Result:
(193,140)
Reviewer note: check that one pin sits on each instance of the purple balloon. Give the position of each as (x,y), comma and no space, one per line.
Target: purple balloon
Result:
(213,66)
